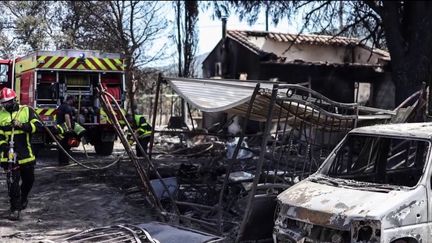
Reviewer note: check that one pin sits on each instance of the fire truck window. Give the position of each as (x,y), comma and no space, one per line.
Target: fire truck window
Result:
(3,73)
(45,91)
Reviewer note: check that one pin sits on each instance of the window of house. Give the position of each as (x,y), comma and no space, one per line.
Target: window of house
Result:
(362,92)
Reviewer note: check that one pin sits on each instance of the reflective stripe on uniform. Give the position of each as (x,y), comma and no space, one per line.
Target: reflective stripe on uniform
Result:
(33,127)
(144,131)
(61,129)
(9,133)
(22,116)
(34,120)
(78,129)
(32,124)
(29,159)
(32,157)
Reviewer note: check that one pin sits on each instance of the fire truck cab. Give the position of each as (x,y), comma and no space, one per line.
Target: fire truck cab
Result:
(5,73)
(43,79)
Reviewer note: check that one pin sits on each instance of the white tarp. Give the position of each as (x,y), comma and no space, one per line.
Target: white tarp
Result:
(212,95)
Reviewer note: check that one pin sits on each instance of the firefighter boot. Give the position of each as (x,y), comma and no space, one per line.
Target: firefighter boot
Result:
(14,215)
(24,204)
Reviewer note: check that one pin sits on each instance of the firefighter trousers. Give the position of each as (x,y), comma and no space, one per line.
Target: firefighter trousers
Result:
(19,194)
(143,142)
(63,159)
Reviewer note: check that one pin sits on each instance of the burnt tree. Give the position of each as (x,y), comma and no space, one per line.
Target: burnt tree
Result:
(402,27)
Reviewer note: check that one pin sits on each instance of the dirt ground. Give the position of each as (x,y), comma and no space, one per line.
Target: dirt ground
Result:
(68,199)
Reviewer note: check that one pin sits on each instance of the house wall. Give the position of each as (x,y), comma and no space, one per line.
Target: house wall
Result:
(336,83)
(309,53)
(330,82)
(383,93)
(362,55)
(238,59)
(209,63)
(242,60)
(317,53)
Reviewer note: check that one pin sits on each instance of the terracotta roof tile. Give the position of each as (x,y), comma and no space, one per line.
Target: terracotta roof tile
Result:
(243,37)
(301,38)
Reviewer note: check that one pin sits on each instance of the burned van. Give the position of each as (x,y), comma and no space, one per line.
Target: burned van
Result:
(374,187)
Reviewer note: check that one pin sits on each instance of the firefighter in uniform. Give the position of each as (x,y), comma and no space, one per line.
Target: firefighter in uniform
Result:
(142,131)
(69,131)
(17,123)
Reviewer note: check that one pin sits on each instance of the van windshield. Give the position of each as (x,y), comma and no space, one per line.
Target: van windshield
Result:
(381,160)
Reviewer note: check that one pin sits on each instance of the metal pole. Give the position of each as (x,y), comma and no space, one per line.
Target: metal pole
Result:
(190,115)
(128,147)
(13,73)
(142,173)
(267,16)
(155,107)
(264,141)
(236,151)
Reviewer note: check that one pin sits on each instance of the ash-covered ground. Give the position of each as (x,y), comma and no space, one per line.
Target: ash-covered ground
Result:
(69,199)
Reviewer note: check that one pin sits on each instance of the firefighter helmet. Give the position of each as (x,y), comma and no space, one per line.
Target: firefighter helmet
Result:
(7,94)
(73,142)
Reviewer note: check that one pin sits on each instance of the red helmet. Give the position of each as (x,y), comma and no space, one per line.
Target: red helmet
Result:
(7,94)
(73,142)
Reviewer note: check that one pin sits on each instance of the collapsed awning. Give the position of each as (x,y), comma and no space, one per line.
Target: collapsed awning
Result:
(213,95)
(233,96)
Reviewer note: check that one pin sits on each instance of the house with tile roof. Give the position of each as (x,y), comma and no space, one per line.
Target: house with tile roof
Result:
(338,67)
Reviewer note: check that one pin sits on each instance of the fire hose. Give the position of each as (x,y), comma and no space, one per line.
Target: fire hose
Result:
(56,140)
(105,98)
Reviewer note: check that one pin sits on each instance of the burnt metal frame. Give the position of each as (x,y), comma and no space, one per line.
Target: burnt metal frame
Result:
(219,207)
(294,95)
(308,99)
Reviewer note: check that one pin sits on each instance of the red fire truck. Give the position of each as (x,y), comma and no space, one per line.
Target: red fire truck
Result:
(43,79)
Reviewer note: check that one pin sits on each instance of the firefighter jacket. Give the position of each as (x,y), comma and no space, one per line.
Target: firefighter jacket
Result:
(77,129)
(21,139)
(143,129)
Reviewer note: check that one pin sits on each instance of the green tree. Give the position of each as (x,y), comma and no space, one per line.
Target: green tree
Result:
(29,21)
(75,31)
(128,27)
